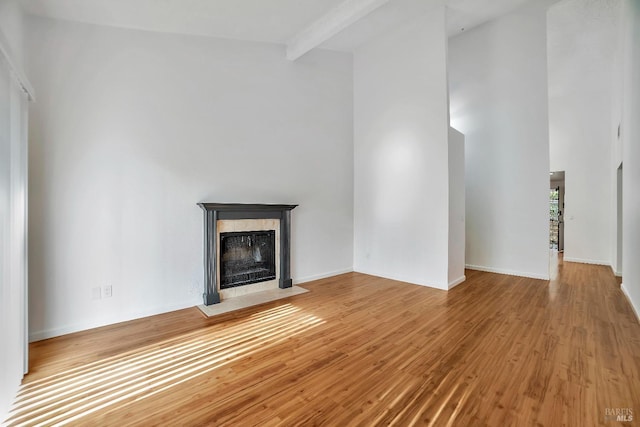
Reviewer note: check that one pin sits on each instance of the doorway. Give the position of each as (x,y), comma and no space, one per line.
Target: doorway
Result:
(556,210)
(618,269)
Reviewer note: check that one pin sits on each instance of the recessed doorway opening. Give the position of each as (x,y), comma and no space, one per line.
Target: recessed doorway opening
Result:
(556,210)
(619,237)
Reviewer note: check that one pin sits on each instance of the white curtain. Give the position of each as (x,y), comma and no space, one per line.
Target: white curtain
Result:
(13,235)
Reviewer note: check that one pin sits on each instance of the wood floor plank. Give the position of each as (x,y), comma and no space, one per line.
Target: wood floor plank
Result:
(357,350)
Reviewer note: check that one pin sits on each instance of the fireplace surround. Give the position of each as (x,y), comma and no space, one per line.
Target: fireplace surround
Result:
(215,212)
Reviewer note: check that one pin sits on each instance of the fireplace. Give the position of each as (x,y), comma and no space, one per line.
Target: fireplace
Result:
(246,249)
(247,257)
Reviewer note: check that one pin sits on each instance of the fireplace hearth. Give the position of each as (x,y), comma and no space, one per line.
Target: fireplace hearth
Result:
(239,259)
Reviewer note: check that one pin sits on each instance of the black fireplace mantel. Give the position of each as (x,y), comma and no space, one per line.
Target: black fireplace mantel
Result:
(219,211)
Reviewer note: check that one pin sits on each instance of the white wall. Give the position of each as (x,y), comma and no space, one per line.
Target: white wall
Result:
(581,46)
(456,208)
(11,25)
(617,85)
(133,128)
(401,177)
(631,154)
(13,188)
(616,260)
(498,90)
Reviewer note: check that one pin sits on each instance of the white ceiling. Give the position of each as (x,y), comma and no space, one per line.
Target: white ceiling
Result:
(273,21)
(460,14)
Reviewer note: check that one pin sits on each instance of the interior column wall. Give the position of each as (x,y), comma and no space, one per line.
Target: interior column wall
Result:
(400,149)
(631,153)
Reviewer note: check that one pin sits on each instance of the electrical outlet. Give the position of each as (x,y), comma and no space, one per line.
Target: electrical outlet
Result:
(108,291)
(96,292)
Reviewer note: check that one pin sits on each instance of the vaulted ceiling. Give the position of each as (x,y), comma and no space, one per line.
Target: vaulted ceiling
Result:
(273,21)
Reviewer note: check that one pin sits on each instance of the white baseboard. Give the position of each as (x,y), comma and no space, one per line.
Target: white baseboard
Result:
(456,282)
(616,272)
(306,279)
(508,272)
(633,307)
(56,332)
(397,278)
(69,329)
(587,261)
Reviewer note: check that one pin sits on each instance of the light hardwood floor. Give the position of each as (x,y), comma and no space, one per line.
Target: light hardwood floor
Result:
(358,350)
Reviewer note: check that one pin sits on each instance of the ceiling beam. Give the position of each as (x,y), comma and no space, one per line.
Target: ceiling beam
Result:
(14,67)
(330,24)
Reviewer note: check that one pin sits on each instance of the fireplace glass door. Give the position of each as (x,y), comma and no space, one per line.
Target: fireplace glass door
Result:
(247,257)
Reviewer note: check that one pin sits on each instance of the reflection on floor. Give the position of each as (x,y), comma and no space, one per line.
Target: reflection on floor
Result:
(555,263)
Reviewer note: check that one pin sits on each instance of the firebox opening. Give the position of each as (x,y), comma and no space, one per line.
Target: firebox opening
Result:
(247,257)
